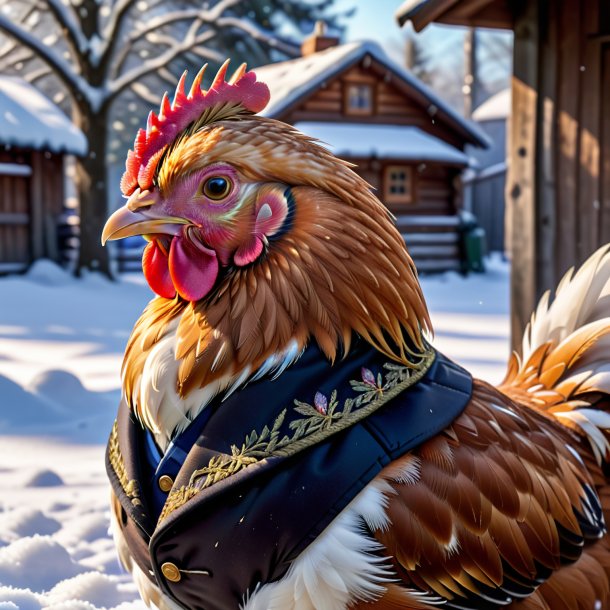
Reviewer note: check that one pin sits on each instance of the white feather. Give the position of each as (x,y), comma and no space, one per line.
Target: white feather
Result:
(580,299)
(340,567)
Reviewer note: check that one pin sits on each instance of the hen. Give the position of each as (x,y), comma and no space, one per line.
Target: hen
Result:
(288,438)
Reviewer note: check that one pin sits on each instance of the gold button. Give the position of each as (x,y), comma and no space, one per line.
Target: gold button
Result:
(171,571)
(165,483)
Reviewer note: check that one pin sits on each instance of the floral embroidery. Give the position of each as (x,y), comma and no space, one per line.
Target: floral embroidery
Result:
(325,417)
(130,487)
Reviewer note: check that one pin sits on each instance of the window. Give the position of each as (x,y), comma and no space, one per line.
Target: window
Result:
(359,99)
(398,184)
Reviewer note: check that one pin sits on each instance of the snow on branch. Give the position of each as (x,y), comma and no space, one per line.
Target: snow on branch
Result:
(65,18)
(258,33)
(111,31)
(64,70)
(190,40)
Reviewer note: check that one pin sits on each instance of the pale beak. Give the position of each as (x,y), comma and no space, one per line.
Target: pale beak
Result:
(137,217)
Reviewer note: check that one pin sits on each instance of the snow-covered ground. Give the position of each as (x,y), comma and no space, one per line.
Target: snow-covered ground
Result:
(61,343)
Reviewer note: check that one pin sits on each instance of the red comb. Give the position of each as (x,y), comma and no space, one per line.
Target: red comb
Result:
(162,129)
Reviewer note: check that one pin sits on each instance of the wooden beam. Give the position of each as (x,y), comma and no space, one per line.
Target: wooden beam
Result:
(545,212)
(568,102)
(605,148)
(422,13)
(589,120)
(37,197)
(496,15)
(521,178)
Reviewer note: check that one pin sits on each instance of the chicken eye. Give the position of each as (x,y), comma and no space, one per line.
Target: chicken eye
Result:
(217,187)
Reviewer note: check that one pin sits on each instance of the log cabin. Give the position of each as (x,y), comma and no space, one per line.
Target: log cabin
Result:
(558,152)
(403,139)
(35,136)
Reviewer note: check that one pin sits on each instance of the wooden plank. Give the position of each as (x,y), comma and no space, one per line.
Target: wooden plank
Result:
(14,218)
(568,101)
(589,153)
(433,251)
(15,169)
(37,196)
(385,95)
(521,179)
(546,149)
(398,109)
(437,266)
(328,95)
(318,105)
(406,220)
(436,238)
(358,77)
(605,148)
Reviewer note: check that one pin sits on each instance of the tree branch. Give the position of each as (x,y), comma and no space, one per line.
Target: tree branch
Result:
(111,31)
(258,33)
(65,19)
(156,23)
(77,86)
(190,41)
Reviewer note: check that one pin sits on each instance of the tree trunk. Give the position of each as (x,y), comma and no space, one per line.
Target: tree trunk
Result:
(92,186)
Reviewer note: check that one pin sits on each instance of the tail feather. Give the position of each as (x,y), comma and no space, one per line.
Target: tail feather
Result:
(564,367)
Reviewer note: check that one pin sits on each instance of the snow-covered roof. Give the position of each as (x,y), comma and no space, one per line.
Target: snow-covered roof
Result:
(382,141)
(28,119)
(289,81)
(496,108)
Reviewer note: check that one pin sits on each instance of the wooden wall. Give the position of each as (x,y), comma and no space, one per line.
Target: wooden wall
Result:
(392,104)
(434,184)
(31,199)
(558,186)
(434,190)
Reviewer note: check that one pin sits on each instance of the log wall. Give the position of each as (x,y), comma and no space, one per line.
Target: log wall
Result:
(558,189)
(31,199)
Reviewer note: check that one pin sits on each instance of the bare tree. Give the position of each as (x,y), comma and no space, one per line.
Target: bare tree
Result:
(101,50)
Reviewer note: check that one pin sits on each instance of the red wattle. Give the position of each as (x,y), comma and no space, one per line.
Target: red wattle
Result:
(193,269)
(156,271)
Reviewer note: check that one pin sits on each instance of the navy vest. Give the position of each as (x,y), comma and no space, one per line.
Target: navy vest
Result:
(272,466)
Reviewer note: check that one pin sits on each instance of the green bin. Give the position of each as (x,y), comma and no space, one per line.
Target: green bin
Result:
(474,249)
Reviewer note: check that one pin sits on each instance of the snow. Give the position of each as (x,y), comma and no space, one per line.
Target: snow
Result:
(496,108)
(28,119)
(289,81)
(382,141)
(61,344)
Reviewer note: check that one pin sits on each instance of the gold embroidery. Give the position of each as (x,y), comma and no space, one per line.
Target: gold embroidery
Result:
(319,421)
(130,487)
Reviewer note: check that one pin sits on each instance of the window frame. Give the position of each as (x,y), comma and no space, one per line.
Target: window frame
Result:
(354,111)
(399,198)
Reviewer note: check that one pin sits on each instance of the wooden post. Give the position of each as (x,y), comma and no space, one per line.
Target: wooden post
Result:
(470,72)
(37,211)
(545,210)
(521,177)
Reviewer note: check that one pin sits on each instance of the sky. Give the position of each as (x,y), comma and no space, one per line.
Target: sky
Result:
(441,44)
(374,19)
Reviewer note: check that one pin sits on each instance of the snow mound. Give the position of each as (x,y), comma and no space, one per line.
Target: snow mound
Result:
(67,390)
(98,589)
(44,478)
(21,408)
(48,273)
(37,563)
(84,529)
(105,561)
(27,522)
(21,599)
(72,605)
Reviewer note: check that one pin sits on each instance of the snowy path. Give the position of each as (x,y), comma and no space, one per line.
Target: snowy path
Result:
(61,344)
